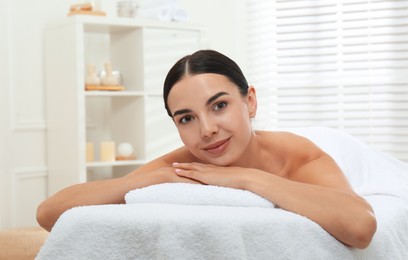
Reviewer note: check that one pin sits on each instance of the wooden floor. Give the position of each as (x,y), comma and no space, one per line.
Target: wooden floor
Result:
(21,243)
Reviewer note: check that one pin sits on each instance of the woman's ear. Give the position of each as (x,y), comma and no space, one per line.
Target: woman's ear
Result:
(252,102)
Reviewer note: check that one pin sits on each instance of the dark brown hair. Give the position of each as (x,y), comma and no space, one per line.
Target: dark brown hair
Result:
(204,61)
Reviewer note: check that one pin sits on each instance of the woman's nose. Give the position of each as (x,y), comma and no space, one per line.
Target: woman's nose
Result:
(208,127)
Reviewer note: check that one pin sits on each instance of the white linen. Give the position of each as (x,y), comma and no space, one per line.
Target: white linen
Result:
(167,228)
(368,170)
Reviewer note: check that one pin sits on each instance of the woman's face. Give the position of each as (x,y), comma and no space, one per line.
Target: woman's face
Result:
(212,117)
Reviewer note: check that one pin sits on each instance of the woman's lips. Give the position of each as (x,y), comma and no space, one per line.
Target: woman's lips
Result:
(217,147)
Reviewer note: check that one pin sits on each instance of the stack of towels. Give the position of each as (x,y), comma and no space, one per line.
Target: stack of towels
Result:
(163,10)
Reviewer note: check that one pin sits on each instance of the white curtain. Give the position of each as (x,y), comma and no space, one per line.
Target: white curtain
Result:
(334,63)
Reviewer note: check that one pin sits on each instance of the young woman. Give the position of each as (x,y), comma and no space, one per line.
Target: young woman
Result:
(211,104)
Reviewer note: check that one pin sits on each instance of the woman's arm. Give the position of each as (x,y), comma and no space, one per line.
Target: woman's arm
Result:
(110,191)
(90,193)
(323,197)
(317,190)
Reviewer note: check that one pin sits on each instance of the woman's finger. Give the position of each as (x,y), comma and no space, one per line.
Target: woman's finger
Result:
(188,166)
(186,173)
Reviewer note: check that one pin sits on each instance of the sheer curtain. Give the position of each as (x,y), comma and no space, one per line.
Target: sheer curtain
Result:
(341,64)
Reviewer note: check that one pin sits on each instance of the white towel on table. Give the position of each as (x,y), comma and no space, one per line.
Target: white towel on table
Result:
(171,231)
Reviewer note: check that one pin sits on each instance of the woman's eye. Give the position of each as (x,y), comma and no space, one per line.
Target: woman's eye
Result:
(185,119)
(220,105)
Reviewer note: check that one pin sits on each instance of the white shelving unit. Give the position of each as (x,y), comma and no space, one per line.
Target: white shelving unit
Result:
(143,51)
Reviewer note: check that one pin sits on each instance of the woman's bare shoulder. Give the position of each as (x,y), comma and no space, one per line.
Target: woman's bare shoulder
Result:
(280,137)
(290,144)
(297,152)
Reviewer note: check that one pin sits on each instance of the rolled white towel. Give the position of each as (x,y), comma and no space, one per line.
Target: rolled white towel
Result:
(195,194)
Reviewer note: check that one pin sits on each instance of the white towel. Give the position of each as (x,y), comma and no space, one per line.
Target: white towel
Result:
(171,231)
(163,10)
(195,194)
(180,15)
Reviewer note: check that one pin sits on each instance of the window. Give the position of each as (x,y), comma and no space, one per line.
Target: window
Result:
(341,64)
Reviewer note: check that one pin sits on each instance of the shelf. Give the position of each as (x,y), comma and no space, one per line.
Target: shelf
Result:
(142,51)
(125,93)
(105,24)
(115,163)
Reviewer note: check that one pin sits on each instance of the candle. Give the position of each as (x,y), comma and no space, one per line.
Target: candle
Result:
(89,152)
(107,150)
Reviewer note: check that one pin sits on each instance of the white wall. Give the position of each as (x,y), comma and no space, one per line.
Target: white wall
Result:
(3,111)
(226,25)
(23,166)
(23,127)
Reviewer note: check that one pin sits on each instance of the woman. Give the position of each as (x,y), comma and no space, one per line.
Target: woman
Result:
(211,104)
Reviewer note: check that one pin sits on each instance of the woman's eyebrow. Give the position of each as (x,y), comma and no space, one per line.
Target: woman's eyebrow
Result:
(182,111)
(211,99)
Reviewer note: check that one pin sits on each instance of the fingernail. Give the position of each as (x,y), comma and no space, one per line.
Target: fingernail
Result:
(177,170)
(175,163)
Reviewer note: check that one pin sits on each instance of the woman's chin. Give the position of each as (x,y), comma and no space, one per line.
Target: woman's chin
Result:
(218,161)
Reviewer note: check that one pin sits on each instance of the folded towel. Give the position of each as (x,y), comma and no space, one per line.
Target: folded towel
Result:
(195,194)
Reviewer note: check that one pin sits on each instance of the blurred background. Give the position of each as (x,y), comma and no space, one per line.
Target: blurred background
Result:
(340,64)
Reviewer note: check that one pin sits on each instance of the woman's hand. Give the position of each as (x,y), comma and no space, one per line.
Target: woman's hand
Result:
(313,194)
(210,174)
(164,175)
